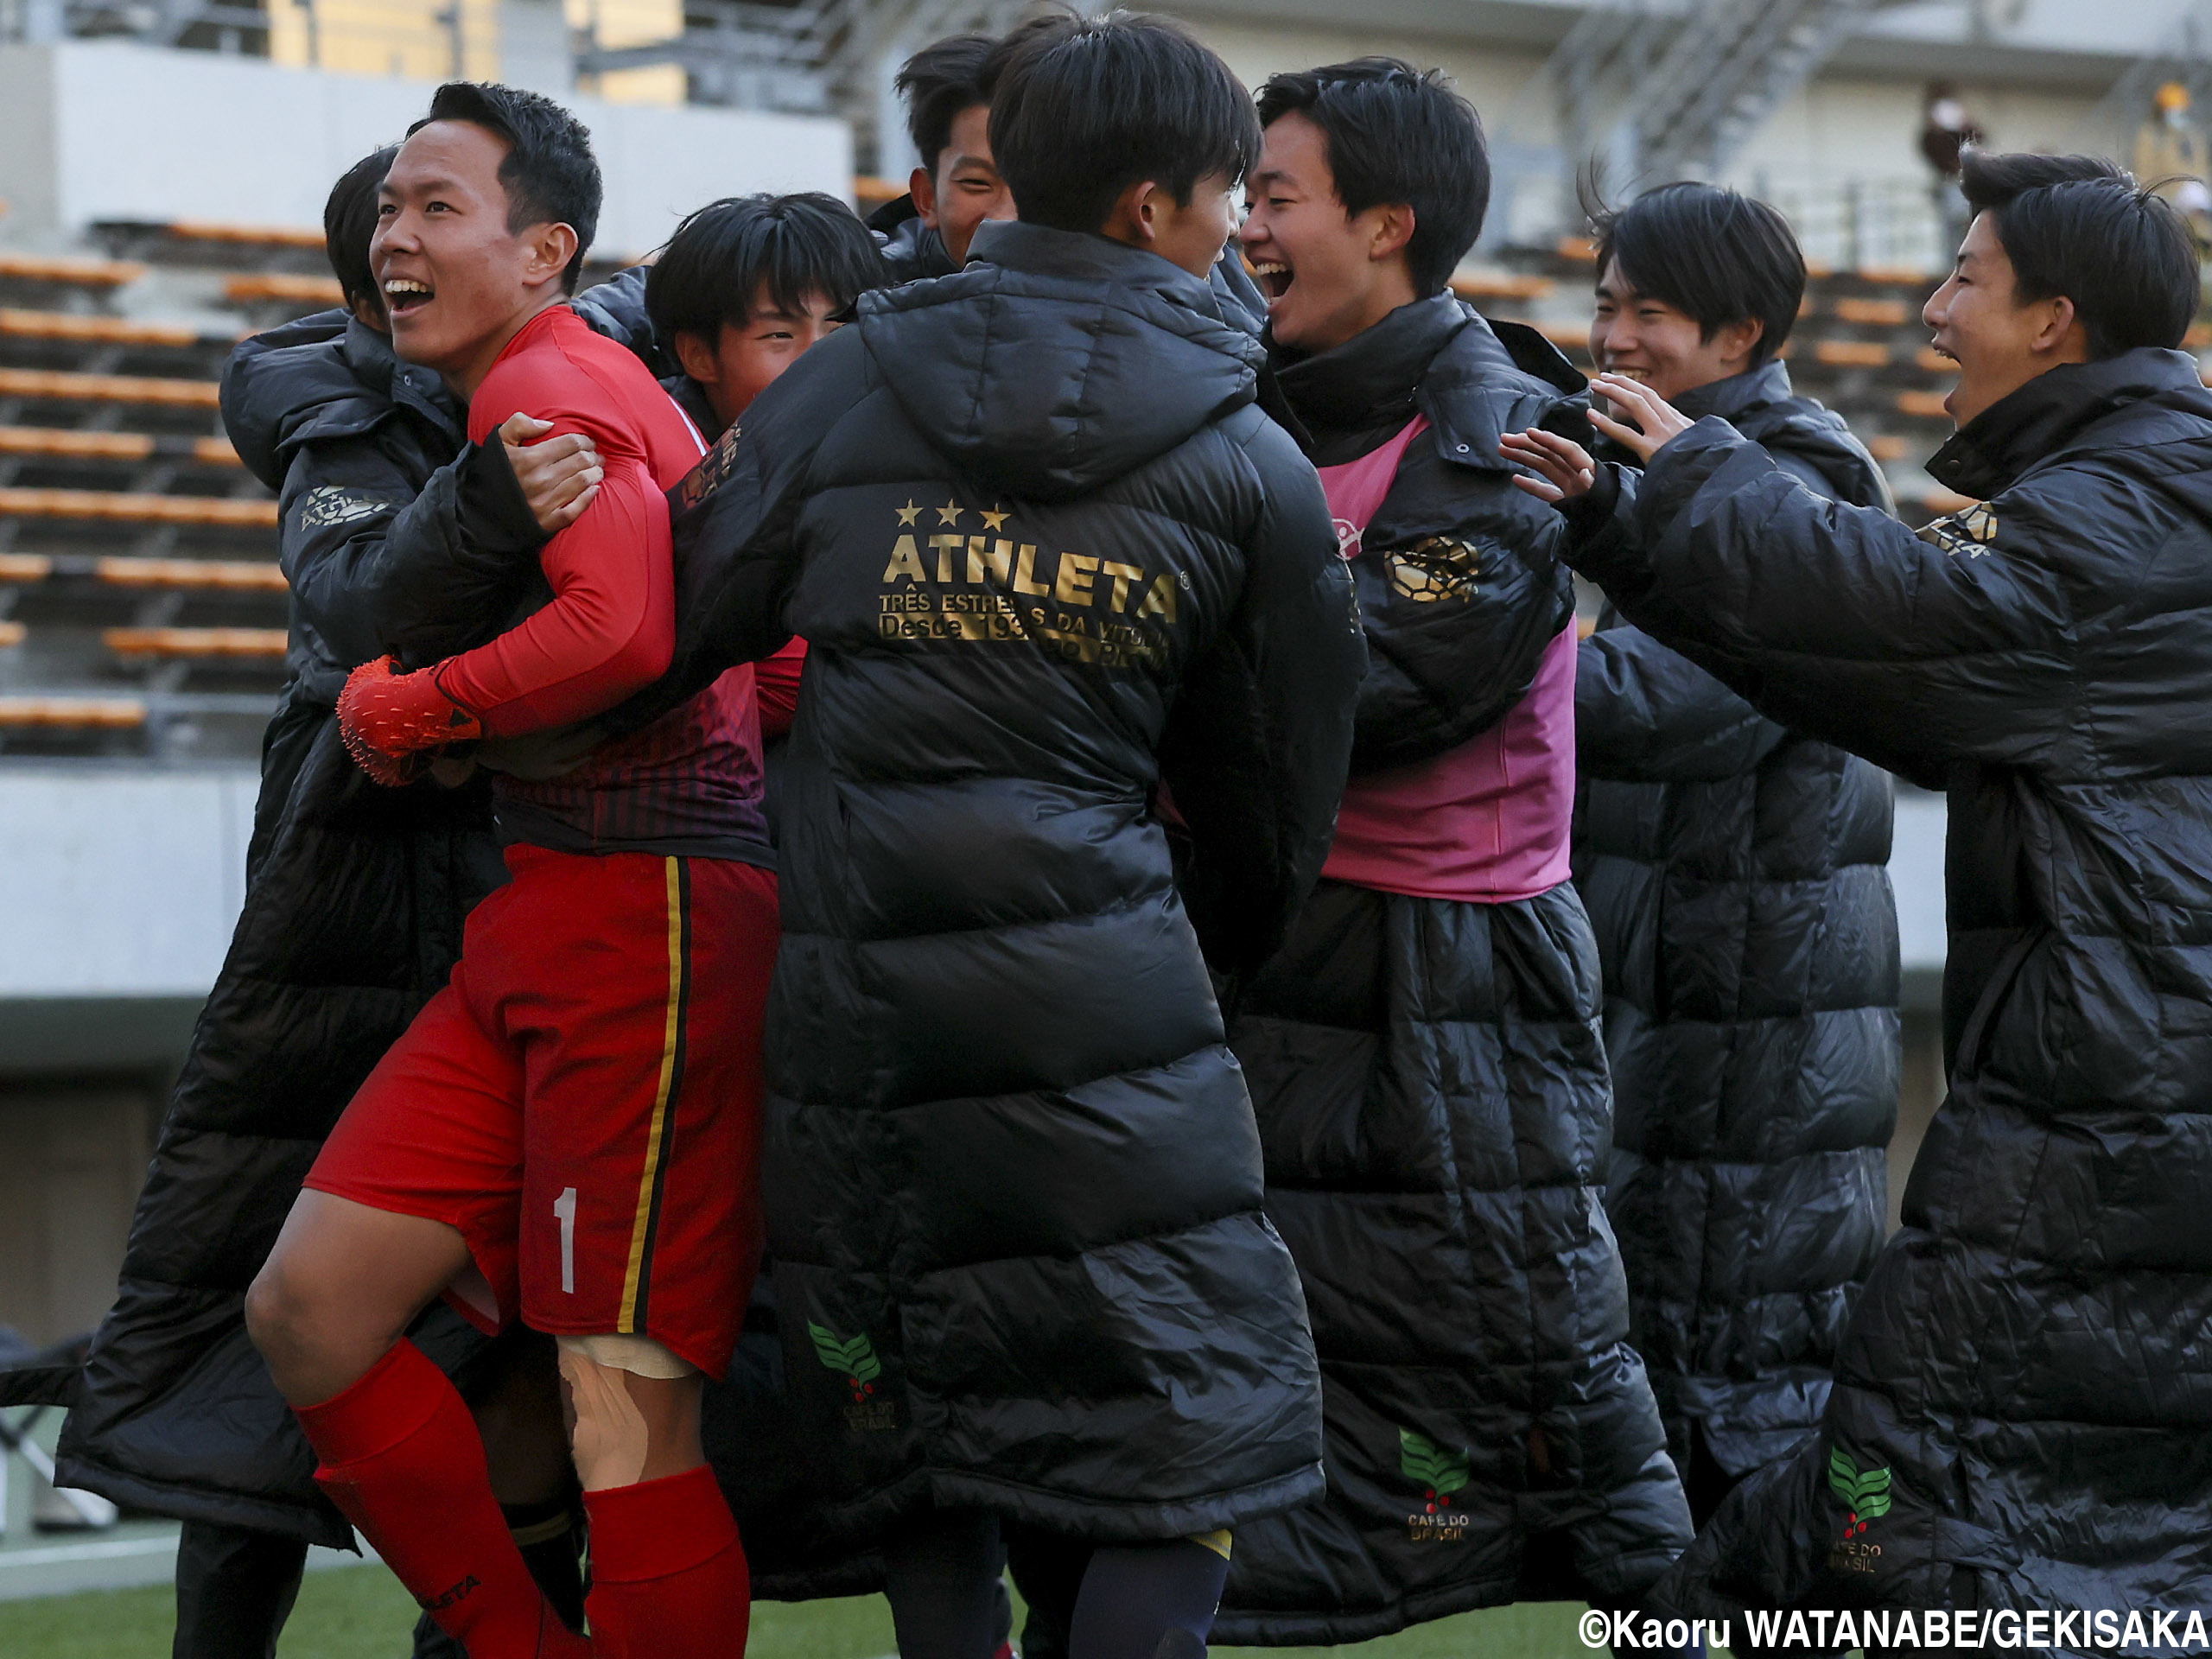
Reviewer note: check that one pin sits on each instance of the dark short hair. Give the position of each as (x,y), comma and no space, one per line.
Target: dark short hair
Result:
(1716,256)
(349,220)
(1397,134)
(2077,226)
(725,253)
(939,81)
(550,174)
(1081,108)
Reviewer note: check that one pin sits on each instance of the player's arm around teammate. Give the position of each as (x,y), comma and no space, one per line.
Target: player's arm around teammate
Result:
(567,1133)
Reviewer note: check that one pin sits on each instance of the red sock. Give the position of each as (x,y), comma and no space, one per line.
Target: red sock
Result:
(668,1574)
(401,1458)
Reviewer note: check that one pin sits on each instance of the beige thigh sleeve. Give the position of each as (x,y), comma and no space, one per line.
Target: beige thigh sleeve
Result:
(639,1356)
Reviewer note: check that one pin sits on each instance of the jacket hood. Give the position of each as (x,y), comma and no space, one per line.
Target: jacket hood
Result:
(323,376)
(2045,417)
(1056,362)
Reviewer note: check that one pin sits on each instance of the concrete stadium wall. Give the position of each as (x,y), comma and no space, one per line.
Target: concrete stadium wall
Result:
(120,889)
(103,130)
(120,883)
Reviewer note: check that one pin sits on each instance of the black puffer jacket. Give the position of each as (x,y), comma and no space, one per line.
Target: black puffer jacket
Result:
(912,249)
(1736,874)
(355,895)
(1431,1085)
(2021,1414)
(1047,556)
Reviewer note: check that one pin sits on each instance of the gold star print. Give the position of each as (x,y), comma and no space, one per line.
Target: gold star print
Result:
(908,513)
(949,513)
(995,520)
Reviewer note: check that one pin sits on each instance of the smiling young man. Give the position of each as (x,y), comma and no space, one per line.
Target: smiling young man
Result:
(747,284)
(1047,553)
(352,914)
(1424,1051)
(567,1133)
(2018,1419)
(956,186)
(1753,1102)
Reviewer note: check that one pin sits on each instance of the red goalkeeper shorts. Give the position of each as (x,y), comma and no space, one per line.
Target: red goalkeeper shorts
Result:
(582,1099)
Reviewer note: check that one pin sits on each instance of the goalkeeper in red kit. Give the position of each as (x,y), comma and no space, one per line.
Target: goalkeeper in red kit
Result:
(567,1134)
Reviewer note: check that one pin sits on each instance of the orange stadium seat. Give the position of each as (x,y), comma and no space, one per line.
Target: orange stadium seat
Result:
(65,443)
(260,644)
(1878,313)
(233,575)
(123,507)
(25,567)
(249,236)
(1939,502)
(111,713)
(1923,405)
(1889,448)
(54,386)
(11,633)
(1477,285)
(1576,250)
(95,330)
(1933,361)
(66,271)
(1851,354)
(872,193)
(269,287)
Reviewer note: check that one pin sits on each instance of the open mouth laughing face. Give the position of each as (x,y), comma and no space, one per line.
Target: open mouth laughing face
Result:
(1316,265)
(404,296)
(1978,321)
(456,280)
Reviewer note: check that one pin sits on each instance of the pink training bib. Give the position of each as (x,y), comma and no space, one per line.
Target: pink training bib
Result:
(1487,822)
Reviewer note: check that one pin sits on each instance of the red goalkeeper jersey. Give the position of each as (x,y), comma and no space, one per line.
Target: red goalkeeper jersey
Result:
(690,782)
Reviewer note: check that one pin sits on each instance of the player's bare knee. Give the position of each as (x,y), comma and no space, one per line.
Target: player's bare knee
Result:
(280,1313)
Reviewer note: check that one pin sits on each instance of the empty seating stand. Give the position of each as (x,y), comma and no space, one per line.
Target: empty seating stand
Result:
(64,281)
(142,606)
(222,247)
(94,344)
(140,390)
(271,297)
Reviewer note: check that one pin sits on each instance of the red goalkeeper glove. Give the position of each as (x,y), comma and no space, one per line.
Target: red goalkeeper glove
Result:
(392,721)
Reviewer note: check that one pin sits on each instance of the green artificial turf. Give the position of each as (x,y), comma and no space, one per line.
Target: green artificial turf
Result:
(362,1613)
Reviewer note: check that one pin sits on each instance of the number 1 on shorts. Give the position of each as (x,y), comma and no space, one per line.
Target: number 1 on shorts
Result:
(564,1212)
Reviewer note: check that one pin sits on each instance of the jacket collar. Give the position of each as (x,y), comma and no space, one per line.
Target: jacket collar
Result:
(1371,379)
(379,369)
(1988,453)
(1040,251)
(1729,398)
(911,248)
